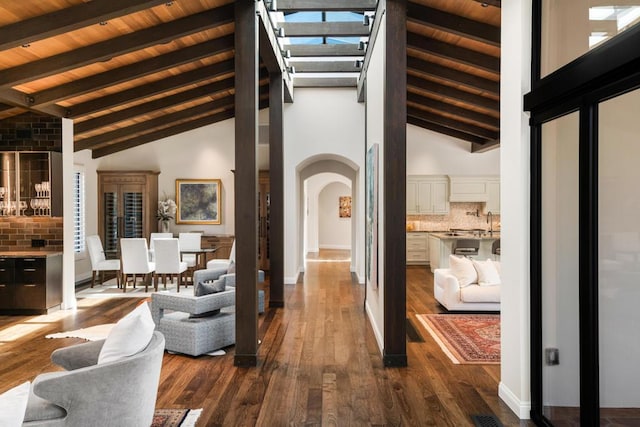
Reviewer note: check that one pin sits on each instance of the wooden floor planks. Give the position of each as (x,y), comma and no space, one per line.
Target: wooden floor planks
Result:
(319,362)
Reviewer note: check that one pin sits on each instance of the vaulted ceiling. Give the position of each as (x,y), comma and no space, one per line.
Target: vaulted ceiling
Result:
(129,72)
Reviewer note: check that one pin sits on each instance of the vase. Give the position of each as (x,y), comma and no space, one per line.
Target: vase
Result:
(164,226)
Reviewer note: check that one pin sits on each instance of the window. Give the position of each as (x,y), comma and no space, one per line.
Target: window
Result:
(78,211)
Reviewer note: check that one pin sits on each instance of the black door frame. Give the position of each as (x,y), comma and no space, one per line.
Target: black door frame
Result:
(603,73)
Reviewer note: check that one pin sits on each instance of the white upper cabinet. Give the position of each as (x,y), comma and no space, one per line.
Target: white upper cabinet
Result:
(493,200)
(468,189)
(427,195)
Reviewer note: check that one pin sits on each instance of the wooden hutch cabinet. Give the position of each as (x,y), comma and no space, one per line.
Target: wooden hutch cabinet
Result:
(127,206)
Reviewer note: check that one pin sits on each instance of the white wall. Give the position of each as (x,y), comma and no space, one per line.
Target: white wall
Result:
(322,124)
(312,211)
(375,135)
(334,232)
(430,153)
(515,74)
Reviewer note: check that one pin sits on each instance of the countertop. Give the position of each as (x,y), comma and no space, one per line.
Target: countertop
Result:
(29,254)
(445,235)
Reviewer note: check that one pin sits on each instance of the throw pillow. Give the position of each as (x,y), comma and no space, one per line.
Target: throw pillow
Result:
(13,405)
(129,336)
(462,268)
(487,273)
(209,287)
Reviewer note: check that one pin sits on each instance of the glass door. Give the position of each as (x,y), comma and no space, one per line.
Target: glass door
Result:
(111,219)
(559,270)
(619,260)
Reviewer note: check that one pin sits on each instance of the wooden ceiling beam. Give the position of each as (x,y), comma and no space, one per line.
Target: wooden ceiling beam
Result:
(68,19)
(325,66)
(452,123)
(137,70)
(156,105)
(454,53)
(451,92)
(471,81)
(158,122)
(105,50)
(324,29)
(170,131)
(163,133)
(445,130)
(20,99)
(323,50)
(334,5)
(453,24)
(154,88)
(482,148)
(454,110)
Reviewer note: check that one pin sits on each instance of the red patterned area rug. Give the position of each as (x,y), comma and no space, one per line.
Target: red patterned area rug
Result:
(175,417)
(466,338)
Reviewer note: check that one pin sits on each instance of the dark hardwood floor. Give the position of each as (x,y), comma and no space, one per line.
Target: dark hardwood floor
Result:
(319,362)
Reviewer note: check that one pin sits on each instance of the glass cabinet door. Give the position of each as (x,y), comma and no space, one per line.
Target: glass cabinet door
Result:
(35,186)
(7,183)
(110,218)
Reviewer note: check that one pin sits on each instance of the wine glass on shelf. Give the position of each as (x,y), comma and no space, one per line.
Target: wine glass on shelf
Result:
(33,203)
(23,207)
(2,191)
(38,189)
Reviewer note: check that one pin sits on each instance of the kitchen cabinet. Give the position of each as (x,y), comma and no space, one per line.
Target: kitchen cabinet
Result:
(417,248)
(427,195)
(468,189)
(30,283)
(493,196)
(127,206)
(30,183)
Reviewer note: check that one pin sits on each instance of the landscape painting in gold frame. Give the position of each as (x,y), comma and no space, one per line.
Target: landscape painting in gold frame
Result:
(199,201)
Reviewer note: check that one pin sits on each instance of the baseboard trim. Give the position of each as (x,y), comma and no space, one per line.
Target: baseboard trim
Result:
(376,331)
(291,280)
(522,409)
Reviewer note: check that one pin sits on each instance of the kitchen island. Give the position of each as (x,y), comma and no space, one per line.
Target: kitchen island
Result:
(440,245)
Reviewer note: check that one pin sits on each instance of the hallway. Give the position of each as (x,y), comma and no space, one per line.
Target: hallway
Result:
(318,363)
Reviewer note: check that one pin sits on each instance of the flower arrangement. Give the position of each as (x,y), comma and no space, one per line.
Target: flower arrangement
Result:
(166,209)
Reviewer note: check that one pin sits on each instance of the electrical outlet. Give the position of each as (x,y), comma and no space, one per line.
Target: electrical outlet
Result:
(551,356)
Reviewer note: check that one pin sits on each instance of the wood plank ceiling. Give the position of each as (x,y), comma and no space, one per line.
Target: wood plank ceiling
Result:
(129,72)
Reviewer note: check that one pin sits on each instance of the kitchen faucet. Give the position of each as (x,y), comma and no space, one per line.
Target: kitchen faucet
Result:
(490,222)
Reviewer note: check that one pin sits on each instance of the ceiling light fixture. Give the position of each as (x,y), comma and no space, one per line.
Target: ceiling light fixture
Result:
(26,45)
(484,4)
(103,23)
(169,3)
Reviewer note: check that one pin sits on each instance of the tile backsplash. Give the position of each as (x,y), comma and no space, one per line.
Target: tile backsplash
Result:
(461,215)
(16,233)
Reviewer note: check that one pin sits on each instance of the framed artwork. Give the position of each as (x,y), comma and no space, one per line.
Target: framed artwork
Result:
(344,210)
(199,201)
(371,209)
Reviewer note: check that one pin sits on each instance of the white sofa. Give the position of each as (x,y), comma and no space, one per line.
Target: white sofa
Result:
(472,297)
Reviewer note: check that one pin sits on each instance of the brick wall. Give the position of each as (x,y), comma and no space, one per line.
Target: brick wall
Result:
(30,132)
(16,233)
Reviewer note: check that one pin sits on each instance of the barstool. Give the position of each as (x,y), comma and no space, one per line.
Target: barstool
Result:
(495,249)
(466,247)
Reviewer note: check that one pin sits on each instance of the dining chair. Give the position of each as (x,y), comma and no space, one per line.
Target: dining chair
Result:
(134,255)
(190,242)
(222,263)
(152,239)
(99,263)
(167,252)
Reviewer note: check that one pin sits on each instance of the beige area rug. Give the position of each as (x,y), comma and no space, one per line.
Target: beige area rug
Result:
(465,338)
(109,289)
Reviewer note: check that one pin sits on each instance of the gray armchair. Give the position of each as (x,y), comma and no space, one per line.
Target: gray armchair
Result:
(230,280)
(185,324)
(118,393)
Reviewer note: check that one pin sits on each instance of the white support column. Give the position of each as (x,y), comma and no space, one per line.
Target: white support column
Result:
(514,387)
(68,257)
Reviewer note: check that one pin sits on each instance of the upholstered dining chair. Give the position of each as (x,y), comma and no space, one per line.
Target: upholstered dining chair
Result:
(167,252)
(152,239)
(99,263)
(190,242)
(134,255)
